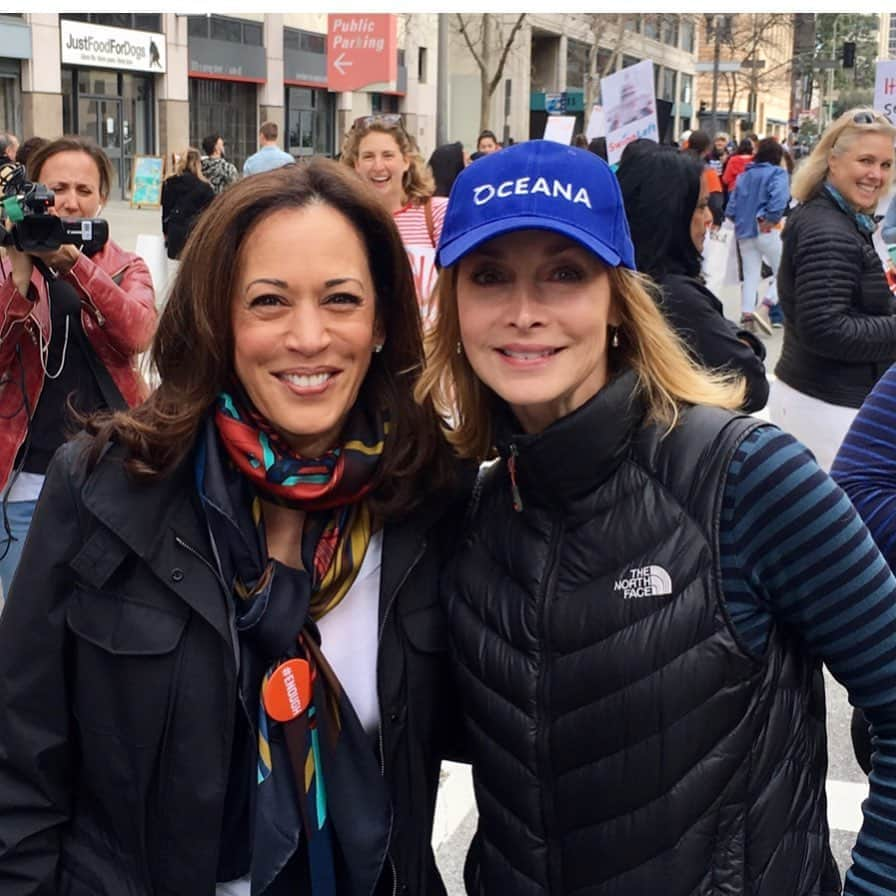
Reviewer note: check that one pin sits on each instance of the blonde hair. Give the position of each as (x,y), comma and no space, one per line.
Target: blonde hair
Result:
(190,160)
(837,139)
(417,182)
(667,374)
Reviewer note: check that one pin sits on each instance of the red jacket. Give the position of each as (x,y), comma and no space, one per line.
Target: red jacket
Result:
(118,314)
(734,169)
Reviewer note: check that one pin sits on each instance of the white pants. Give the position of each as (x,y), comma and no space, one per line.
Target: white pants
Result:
(766,246)
(820,426)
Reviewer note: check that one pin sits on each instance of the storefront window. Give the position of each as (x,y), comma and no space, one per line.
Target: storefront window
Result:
(114,109)
(227,108)
(685,93)
(309,121)
(10,103)
(687,35)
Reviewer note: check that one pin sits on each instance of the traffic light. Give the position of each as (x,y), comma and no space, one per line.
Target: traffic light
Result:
(849,54)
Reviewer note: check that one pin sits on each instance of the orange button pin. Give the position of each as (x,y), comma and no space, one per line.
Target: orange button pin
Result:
(287,693)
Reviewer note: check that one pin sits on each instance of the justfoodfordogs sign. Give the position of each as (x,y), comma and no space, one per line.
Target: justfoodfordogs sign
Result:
(97,46)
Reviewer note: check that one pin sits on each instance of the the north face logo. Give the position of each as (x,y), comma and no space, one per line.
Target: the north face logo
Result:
(644,581)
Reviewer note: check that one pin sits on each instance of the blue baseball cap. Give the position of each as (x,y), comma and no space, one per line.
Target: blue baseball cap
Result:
(539,185)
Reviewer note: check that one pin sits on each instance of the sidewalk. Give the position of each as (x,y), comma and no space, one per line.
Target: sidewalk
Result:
(140,230)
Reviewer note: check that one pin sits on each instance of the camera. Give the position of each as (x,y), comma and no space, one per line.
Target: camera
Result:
(34,229)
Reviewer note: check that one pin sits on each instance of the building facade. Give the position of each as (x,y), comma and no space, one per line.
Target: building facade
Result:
(549,57)
(754,81)
(155,83)
(887,37)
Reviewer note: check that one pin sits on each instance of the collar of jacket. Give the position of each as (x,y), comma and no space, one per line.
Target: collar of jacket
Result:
(579,452)
(162,523)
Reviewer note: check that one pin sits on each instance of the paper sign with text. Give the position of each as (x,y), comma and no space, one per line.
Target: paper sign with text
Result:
(629,106)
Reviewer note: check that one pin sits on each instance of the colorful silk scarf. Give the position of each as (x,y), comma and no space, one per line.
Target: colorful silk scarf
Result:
(276,607)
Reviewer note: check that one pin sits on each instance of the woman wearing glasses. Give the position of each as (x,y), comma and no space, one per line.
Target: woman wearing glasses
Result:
(387,159)
(840,329)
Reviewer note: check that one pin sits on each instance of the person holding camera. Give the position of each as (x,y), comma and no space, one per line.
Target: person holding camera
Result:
(72,324)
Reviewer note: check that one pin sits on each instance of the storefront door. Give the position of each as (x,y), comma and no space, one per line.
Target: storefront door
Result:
(100,120)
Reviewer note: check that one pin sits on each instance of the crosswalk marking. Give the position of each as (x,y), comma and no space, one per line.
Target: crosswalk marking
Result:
(845,804)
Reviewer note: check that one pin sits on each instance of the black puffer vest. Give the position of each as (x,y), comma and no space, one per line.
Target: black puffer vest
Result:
(625,743)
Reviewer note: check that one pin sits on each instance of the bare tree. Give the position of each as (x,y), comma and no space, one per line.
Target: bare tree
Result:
(608,33)
(753,39)
(486,37)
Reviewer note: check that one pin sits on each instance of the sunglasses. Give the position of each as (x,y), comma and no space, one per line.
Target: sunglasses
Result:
(870,118)
(390,119)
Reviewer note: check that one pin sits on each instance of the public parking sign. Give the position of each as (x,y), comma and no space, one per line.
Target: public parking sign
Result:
(361,50)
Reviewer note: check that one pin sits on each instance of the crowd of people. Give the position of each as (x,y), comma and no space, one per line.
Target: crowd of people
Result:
(449,460)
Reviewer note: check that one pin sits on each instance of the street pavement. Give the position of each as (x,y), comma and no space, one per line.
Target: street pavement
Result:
(455,814)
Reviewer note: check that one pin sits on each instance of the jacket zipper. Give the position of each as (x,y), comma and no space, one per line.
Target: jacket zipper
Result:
(379,640)
(231,708)
(234,643)
(543,736)
(511,469)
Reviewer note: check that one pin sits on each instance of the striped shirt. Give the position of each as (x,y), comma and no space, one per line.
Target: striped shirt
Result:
(795,553)
(421,248)
(411,223)
(865,467)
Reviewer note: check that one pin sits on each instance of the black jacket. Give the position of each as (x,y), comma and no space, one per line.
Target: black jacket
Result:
(713,340)
(840,330)
(118,689)
(624,740)
(184,196)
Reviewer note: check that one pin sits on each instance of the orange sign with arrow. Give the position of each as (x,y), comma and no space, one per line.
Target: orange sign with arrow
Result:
(361,50)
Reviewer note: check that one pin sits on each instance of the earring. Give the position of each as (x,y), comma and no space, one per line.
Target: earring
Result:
(378,348)
(615,340)
(460,348)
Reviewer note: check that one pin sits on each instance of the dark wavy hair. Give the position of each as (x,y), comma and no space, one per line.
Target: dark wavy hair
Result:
(769,150)
(193,347)
(660,188)
(446,162)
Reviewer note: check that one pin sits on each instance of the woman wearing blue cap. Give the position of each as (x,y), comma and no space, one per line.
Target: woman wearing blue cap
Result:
(650,582)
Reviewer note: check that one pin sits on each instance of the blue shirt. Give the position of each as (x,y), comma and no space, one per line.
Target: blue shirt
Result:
(795,553)
(267,159)
(762,191)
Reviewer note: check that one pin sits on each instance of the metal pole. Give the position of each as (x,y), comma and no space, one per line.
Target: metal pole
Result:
(831,71)
(714,120)
(442,82)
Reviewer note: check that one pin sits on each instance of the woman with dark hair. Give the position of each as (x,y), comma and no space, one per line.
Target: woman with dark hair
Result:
(73,321)
(184,196)
(446,162)
(223,660)
(598,146)
(757,208)
(665,203)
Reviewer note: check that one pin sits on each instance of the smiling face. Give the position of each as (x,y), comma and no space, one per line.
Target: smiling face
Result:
(533,309)
(486,145)
(382,166)
(862,170)
(75,180)
(304,323)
